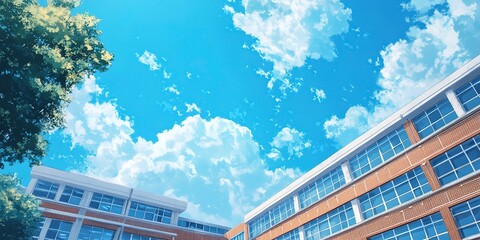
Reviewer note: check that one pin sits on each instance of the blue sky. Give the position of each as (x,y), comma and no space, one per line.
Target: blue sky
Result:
(224,103)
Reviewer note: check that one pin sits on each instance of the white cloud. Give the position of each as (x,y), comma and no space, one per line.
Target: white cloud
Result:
(264,74)
(318,94)
(149,59)
(166,74)
(344,130)
(192,107)
(412,65)
(189,75)
(212,163)
(289,141)
(287,32)
(173,89)
(458,8)
(421,6)
(228,9)
(97,121)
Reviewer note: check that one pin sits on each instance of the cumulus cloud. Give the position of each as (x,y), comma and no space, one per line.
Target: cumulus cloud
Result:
(287,32)
(214,164)
(289,142)
(318,94)
(149,59)
(412,65)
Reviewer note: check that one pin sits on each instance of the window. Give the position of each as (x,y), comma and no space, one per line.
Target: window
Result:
(458,161)
(240,236)
(182,222)
(107,203)
(467,217)
(380,151)
(469,94)
(58,230)
(434,118)
(95,233)
(430,227)
(148,212)
(131,236)
(330,223)
(45,189)
(275,215)
(402,189)
(38,228)
(322,187)
(292,235)
(71,195)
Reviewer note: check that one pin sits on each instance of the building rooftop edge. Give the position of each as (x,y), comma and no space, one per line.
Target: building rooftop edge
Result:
(366,137)
(80,180)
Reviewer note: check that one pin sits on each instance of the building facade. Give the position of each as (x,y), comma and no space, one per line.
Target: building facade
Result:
(79,207)
(413,176)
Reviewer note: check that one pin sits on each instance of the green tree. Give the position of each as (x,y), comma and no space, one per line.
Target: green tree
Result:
(44,52)
(18,212)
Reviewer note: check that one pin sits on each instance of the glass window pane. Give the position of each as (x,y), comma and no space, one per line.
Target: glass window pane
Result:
(434,118)
(429,227)
(457,162)
(107,203)
(466,217)
(469,95)
(404,188)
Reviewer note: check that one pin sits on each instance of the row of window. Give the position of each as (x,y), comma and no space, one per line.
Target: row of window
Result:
(200,226)
(107,203)
(275,215)
(458,161)
(384,150)
(434,118)
(148,212)
(240,236)
(402,189)
(322,187)
(292,235)
(466,216)
(429,227)
(60,230)
(102,202)
(330,223)
(380,151)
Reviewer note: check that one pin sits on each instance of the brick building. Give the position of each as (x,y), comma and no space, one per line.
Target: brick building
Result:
(79,207)
(413,176)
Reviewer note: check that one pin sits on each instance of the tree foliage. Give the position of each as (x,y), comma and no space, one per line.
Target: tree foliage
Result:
(44,52)
(18,212)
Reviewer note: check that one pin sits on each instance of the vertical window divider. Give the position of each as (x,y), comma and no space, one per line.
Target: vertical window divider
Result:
(357,210)
(457,106)
(59,192)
